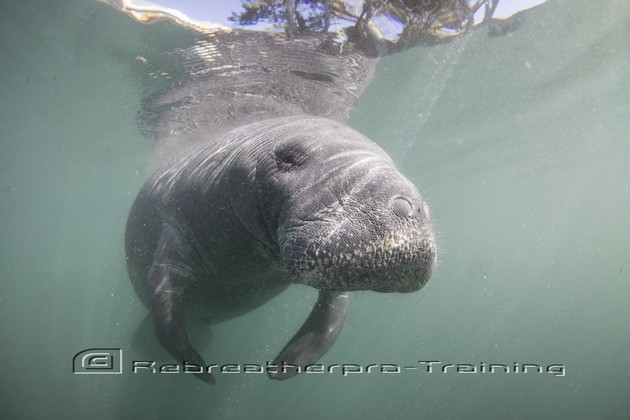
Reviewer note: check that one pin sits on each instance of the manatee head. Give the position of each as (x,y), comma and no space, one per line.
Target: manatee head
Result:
(343,216)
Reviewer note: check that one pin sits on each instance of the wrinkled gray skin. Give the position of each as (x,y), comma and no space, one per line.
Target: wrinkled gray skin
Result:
(233,222)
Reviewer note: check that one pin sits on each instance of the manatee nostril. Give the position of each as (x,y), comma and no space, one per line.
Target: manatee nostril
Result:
(401,207)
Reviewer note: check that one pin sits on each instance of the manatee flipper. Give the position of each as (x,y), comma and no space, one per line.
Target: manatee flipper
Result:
(171,272)
(315,337)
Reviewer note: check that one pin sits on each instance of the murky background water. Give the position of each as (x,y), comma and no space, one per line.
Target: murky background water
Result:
(520,144)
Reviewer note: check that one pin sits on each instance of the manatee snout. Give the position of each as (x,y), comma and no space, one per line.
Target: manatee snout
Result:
(378,236)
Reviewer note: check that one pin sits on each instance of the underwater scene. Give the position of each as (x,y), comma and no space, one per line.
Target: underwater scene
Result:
(315,209)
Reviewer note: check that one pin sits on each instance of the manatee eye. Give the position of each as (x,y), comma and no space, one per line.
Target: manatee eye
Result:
(289,157)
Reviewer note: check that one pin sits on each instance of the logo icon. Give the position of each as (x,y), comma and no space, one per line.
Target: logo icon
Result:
(98,362)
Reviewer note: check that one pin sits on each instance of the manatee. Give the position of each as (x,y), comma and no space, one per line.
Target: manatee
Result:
(234,221)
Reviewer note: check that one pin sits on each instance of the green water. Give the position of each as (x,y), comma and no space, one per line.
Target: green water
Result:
(520,144)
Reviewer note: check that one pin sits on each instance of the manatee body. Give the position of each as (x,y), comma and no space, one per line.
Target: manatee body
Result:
(232,222)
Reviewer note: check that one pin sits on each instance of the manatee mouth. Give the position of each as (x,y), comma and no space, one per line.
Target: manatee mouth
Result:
(394,262)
